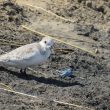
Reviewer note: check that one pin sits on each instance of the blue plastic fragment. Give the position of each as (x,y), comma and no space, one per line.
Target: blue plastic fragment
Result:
(66,72)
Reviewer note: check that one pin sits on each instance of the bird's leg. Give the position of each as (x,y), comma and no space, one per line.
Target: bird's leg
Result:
(23,71)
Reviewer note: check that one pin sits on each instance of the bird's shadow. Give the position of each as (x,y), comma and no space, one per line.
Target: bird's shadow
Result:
(41,79)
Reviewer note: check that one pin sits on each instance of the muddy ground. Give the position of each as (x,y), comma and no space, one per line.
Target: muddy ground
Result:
(91,27)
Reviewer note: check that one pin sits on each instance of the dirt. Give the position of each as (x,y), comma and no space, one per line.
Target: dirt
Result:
(91,29)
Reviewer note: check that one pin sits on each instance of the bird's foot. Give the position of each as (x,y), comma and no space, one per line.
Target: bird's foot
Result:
(23,71)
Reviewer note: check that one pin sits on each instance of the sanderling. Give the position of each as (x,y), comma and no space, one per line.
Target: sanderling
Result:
(28,55)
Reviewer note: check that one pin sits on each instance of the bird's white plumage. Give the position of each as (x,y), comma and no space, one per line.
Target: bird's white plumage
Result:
(28,55)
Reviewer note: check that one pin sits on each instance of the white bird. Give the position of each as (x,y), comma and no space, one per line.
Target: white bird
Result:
(28,55)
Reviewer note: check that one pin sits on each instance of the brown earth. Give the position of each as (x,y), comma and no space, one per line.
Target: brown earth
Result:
(90,30)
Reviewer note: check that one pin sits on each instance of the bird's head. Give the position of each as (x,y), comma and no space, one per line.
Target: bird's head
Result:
(47,42)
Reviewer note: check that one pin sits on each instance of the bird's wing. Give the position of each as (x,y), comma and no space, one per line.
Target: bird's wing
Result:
(22,53)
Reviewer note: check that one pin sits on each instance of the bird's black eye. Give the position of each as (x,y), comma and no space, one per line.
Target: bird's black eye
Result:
(45,42)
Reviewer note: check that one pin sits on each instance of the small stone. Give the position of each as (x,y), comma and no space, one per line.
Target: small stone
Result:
(80,1)
(10,19)
(101,9)
(96,51)
(95,38)
(89,4)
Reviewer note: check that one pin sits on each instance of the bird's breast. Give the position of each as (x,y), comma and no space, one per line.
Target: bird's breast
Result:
(38,58)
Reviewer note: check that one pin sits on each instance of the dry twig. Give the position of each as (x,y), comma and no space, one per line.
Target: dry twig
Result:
(50,12)
(58,40)
(32,96)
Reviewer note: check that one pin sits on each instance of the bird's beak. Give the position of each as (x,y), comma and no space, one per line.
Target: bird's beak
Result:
(50,45)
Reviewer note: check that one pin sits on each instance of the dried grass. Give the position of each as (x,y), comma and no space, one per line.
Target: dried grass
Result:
(58,40)
(55,101)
